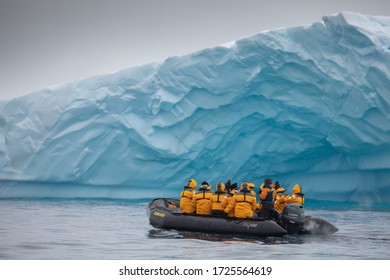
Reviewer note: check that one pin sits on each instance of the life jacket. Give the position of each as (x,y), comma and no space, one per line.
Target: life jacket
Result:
(266,195)
(186,198)
(280,200)
(217,200)
(243,203)
(188,192)
(297,198)
(225,203)
(218,197)
(242,196)
(201,201)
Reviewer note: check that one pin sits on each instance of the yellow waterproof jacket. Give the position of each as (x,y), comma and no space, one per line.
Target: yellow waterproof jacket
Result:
(280,200)
(227,200)
(297,195)
(252,187)
(201,201)
(186,198)
(258,204)
(216,201)
(296,198)
(243,203)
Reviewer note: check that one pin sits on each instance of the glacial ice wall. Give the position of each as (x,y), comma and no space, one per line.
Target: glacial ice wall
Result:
(308,105)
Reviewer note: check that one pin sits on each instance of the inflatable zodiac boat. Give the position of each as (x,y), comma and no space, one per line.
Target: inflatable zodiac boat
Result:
(165,213)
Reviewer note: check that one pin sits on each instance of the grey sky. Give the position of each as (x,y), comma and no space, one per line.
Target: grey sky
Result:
(51,42)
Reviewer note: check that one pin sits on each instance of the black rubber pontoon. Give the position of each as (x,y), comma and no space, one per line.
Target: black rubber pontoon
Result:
(166,214)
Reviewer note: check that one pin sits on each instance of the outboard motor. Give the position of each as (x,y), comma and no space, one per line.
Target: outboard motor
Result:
(293,218)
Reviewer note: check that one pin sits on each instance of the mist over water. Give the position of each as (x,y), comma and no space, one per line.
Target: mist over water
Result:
(119,229)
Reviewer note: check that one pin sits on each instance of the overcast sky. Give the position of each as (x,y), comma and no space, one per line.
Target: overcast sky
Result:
(52,42)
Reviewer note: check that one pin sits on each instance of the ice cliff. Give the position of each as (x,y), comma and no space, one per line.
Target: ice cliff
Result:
(307,105)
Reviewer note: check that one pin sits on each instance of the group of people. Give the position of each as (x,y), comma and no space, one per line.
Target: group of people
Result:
(228,200)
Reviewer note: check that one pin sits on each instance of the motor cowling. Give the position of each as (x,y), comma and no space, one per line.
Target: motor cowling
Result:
(293,218)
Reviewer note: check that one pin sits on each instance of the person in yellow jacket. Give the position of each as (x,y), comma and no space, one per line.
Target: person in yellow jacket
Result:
(217,199)
(296,195)
(229,196)
(280,200)
(201,200)
(252,187)
(243,203)
(186,197)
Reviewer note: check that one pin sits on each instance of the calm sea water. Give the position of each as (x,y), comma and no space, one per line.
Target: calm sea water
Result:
(119,229)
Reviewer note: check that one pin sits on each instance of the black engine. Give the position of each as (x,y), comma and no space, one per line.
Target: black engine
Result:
(293,218)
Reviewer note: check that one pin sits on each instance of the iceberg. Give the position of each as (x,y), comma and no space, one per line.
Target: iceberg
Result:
(307,104)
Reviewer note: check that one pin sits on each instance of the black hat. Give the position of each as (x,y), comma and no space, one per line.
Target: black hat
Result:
(267,181)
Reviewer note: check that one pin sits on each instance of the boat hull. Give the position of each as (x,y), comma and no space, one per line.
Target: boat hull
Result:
(162,216)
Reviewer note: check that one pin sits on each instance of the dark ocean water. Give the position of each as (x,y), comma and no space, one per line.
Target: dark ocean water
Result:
(119,229)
